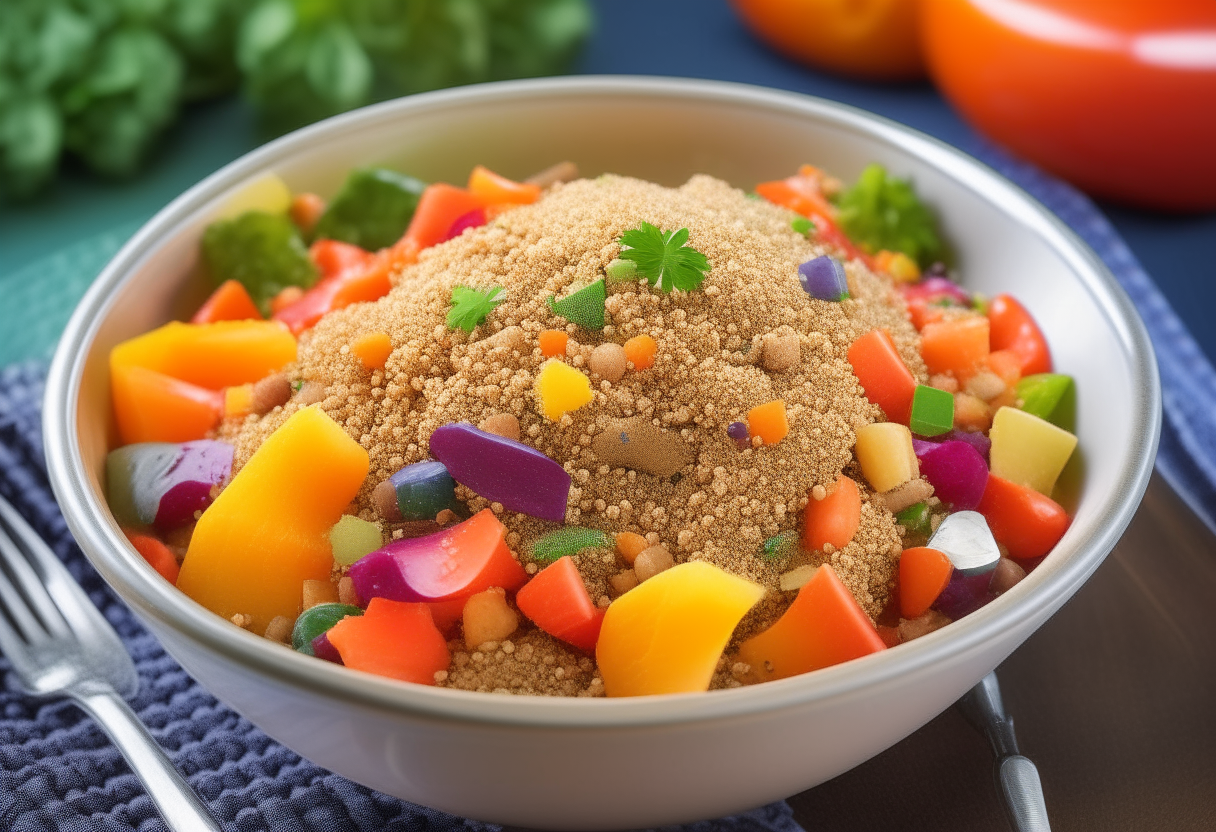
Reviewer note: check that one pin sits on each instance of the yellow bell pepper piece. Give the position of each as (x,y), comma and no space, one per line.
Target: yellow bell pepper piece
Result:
(268,531)
(1028,450)
(215,356)
(266,193)
(561,388)
(884,451)
(666,634)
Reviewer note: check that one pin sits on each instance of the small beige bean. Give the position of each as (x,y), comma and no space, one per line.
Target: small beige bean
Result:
(279,629)
(623,581)
(501,424)
(311,393)
(487,617)
(652,561)
(385,498)
(608,362)
(269,393)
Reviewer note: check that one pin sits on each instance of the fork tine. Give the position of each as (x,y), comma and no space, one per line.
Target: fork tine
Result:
(26,585)
(69,604)
(12,646)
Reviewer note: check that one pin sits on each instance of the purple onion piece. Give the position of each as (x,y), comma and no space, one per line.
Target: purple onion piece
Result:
(922,446)
(964,594)
(413,569)
(503,470)
(199,466)
(323,648)
(943,287)
(957,473)
(976,440)
(472,219)
(824,278)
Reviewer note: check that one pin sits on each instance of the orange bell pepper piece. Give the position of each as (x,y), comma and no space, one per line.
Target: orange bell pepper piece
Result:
(923,574)
(268,531)
(883,375)
(824,626)
(834,519)
(956,347)
(1012,328)
(1027,523)
(557,601)
(152,407)
(439,207)
(552,343)
(230,302)
(493,189)
(394,639)
(768,421)
(214,356)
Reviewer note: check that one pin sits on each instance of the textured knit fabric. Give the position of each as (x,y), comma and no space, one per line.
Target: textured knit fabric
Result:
(58,771)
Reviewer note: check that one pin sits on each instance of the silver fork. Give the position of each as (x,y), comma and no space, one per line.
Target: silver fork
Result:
(59,645)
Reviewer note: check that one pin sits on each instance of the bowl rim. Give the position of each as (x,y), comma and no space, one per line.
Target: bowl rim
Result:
(156,600)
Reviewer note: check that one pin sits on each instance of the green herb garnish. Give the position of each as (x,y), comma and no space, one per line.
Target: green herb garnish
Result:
(584,307)
(663,258)
(470,306)
(882,212)
(802,225)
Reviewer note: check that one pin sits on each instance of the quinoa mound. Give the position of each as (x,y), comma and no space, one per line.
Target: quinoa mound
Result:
(710,369)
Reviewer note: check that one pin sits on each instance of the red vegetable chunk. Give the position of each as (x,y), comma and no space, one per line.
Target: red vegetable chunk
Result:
(392,639)
(883,375)
(1026,522)
(450,564)
(557,601)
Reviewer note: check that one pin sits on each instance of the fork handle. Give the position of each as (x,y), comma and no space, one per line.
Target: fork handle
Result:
(178,804)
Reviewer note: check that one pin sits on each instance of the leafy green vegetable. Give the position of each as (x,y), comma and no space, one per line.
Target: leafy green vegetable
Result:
(663,257)
(264,252)
(308,59)
(619,271)
(471,306)
(372,209)
(584,307)
(802,225)
(884,212)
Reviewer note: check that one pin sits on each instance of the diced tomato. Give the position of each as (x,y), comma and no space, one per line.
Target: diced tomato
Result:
(1027,523)
(883,375)
(557,601)
(1012,328)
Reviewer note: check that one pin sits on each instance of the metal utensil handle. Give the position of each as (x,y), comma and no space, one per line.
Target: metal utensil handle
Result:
(177,802)
(1023,793)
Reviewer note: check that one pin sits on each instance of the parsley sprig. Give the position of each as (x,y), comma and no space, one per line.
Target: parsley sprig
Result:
(664,258)
(471,306)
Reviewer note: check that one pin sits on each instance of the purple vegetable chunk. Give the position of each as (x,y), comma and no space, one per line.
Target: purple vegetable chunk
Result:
(976,440)
(943,287)
(956,471)
(738,431)
(824,278)
(503,470)
(199,466)
(964,594)
(323,648)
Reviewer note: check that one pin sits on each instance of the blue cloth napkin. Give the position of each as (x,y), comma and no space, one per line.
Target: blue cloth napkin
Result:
(58,771)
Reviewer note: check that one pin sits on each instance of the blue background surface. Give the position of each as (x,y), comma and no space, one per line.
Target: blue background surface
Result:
(689,38)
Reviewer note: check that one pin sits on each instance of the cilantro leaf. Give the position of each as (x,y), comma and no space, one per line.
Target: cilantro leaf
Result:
(881,211)
(663,257)
(470,306)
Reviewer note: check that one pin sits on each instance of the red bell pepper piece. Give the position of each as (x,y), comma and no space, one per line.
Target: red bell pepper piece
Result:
(393,638)
(883,375)
(1013,328)
(230,302)
(1026,522)
(440,206)
(557,601)
(349,275)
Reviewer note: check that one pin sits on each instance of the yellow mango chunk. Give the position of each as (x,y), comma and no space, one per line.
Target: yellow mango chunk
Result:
(1028,450)
(884,451)
(666,634)
(238,401)
(266,193)
(215,356)
(268,531)
(561,388)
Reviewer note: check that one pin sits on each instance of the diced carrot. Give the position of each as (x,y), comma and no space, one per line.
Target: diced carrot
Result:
(956,346)
(834,519)
(557,601)
(155,553)
(1013,328)
(305,210)
(285,298)
(923,574)
(394,639)
(493,189)
(630,545)
(552,343)
(922,312)
(824,626)
(238,401)
(153,407)
(768,421)
(440,206)
(1006,364)
(1026,522)
(447,613)
(333,257)
(800,193)
(230,302)
(883,375)
(641,349)
(373,350)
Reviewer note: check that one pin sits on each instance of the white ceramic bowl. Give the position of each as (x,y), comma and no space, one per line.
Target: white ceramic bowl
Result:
(596,764)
